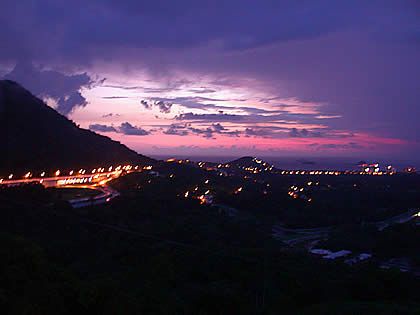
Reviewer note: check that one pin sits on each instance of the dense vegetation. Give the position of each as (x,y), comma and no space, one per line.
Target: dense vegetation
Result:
(329,200)
(154,252)
(400,240)
(325,200)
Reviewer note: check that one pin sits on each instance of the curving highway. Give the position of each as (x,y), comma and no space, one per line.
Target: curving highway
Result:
(97,181)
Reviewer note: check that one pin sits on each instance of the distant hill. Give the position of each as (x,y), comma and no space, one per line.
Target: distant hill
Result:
(251,162)
(247,161)
(34,137)
(243,161)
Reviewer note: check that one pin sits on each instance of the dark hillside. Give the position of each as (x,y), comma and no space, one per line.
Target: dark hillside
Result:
(34,136)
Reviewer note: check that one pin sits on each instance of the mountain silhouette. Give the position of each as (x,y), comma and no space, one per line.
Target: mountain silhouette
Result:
(36,137)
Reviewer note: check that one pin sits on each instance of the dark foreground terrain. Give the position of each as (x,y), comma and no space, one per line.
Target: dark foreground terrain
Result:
(153,251)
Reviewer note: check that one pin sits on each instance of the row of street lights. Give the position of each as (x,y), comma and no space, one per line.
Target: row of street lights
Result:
(57,173)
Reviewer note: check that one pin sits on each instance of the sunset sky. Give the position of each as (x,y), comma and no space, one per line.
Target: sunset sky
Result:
(267,78)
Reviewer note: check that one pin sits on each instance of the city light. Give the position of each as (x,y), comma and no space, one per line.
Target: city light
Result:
(238,190)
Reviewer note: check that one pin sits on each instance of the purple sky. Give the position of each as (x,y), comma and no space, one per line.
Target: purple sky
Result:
(269,78)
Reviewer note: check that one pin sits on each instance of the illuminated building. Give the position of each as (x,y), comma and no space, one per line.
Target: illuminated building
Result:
(410,170)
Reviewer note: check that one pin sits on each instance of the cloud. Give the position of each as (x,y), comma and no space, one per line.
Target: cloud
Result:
(210,117)
(258,132)
(146,104)
(337,146)
(171,86)
(110,115)
(295,49)
(218,127)
(114,97)
(63,89)
(303,133)
(176,129)
(207,104)
(102,128)
(249,114)
(278,132)
(99,31)
(68,103)
(128,129)
(214,129)
(164,107)
(202,91)
(125,128)
(206,132)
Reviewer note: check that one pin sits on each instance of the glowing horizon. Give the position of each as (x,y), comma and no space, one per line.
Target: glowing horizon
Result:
(298,82)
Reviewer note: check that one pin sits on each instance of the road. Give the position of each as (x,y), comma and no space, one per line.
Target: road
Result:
(59,181)
(294,236)
(106,194)
(302,235)
(97,181)
(401,218)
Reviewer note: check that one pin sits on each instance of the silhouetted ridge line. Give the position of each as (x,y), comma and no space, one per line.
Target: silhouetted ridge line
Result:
(35,136)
